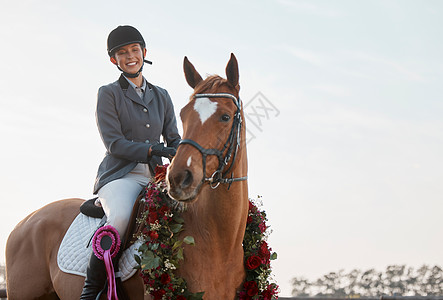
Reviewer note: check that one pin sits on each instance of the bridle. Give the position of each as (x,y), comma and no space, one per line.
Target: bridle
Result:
(231,147)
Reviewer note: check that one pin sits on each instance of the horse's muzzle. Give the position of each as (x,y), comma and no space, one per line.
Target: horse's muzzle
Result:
(180,185)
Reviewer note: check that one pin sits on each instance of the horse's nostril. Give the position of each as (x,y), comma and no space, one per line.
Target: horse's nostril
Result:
(187,179)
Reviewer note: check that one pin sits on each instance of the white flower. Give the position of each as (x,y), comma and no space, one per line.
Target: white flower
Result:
(169,265)
(155,226)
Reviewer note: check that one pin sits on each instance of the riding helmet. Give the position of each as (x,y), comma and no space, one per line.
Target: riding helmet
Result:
(124,35)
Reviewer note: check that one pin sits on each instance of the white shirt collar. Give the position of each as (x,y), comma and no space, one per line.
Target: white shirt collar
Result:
(143,87)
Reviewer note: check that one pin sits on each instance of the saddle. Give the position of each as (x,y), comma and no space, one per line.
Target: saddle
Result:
(90,209)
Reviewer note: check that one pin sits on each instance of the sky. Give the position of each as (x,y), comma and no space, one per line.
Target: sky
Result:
(347,157)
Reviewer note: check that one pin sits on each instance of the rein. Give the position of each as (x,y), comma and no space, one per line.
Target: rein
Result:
(231,147)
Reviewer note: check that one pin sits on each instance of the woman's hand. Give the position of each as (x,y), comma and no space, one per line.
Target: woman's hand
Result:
(161,150)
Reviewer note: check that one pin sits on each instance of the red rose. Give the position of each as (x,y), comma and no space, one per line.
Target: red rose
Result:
(249,221)
(251,288)
(146,279)
(152,217)
(150,193)
(163,210)
(264,252)
(270,291)
(251,206)
(160,173)
(267,295)
(253,262)
(180,297)
(158,294)
(165,278)
(262,227)
(244,296)
(153,235)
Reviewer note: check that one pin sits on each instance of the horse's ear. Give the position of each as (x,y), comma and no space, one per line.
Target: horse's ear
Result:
(232,71)
(191,74)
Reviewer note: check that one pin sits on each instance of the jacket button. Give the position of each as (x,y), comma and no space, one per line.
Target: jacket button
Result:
(147,125)
(145,110)
(147,141)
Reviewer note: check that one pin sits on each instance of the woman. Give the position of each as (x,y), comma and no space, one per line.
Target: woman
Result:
(131,115)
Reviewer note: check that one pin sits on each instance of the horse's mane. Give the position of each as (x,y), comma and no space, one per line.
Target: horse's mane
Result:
(211,82)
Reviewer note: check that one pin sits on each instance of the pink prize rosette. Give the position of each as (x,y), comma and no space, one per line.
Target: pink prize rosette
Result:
(106,244)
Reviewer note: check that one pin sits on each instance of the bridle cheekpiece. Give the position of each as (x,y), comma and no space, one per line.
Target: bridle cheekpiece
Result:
(231,146)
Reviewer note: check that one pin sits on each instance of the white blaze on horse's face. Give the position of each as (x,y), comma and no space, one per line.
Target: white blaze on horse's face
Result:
(188,163)
(205,108)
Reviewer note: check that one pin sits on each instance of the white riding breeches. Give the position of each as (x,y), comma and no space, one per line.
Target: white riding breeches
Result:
(118,197)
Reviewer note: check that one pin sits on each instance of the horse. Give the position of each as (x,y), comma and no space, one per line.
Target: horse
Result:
(217,206)
(209,174)
(32,271)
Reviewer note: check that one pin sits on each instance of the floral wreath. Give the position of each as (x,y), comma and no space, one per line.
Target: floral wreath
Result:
(161,250)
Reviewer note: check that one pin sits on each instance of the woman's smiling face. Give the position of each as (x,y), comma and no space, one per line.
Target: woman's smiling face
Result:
(130,58)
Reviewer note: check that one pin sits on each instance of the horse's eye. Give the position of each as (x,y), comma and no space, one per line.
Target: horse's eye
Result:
(225,118)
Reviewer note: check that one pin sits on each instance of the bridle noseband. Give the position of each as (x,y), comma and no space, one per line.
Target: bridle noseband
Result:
(231,147)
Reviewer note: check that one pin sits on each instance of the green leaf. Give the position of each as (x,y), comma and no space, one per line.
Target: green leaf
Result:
(196,296)
(177,218)
(177,244)
(274,256)
(176,228)
(150,261)
(143,247)
(154,246)
(137,259)
(189,240)
(148,255)
(180,254)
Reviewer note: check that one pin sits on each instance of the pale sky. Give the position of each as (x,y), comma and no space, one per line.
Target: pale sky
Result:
(350,168)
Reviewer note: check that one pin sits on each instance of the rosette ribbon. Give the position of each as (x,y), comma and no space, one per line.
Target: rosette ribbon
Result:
(106,244)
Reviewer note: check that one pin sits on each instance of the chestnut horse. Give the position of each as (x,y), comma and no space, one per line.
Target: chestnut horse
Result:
(213,148)
(209,174)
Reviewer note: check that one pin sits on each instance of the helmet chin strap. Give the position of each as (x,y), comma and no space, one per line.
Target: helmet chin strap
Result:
(135,75)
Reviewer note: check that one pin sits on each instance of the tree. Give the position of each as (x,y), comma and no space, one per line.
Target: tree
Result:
(396,280)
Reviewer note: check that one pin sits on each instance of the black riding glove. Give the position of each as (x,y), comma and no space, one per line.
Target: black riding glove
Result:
(161,150)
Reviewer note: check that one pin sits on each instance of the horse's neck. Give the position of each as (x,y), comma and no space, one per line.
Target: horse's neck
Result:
(217,221)
(219,215)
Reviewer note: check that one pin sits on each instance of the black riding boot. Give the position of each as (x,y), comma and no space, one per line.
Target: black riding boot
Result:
(95,278)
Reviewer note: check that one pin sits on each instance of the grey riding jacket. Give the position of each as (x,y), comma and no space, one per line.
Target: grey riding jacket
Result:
(129,125)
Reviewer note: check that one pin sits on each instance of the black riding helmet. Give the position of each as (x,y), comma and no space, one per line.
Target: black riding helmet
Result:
(122,36)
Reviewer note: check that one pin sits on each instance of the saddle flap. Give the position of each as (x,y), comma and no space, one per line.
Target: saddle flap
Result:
(134,227)
(89,209)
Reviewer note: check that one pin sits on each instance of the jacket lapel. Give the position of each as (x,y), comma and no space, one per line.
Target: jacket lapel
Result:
(149,94)
(129,91)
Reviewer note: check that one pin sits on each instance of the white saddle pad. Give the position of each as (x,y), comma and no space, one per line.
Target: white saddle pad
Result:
(73,255)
